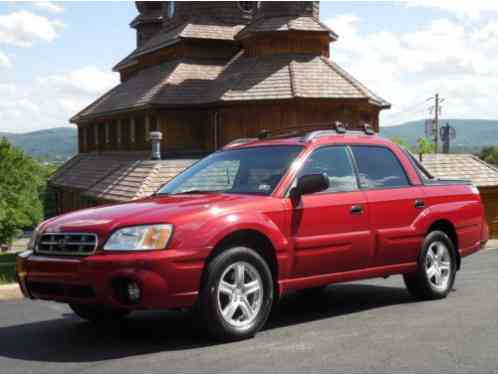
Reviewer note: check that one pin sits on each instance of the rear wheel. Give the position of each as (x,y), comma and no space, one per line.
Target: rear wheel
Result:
(237,296)
(96,313)
(436,271)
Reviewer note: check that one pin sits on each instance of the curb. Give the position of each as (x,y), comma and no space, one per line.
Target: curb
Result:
(10,291)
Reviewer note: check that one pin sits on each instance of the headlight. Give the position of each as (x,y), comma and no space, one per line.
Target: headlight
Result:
(139,238)
(34,238)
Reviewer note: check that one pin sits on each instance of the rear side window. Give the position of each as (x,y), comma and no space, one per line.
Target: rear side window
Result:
(378,167)
(336,163)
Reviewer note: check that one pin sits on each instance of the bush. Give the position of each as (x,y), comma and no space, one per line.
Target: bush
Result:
(23,182)
(489,154)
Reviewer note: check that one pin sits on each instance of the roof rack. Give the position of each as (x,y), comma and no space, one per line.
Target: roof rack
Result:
(335,128)
(239,141)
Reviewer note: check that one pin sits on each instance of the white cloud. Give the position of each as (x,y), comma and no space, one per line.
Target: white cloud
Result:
(51,101)
(49,6)
(23,28)
(457,60)
(4,60)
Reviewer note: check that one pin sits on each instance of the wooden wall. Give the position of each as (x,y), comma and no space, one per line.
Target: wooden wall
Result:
(291,42)
(489,197)
(192,131)
(248,120)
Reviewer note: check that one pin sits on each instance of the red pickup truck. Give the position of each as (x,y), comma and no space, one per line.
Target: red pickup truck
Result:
(246,224)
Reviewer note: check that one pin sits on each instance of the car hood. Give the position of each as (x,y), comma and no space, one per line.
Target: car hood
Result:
(154,210)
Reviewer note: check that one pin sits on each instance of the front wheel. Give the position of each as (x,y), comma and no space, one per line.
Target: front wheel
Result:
(96,313)
(237,295)
(436,271)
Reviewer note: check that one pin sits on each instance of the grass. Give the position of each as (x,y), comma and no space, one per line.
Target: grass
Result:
(7,268)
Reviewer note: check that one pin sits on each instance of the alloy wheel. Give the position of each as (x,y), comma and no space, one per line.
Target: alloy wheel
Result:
(240,294)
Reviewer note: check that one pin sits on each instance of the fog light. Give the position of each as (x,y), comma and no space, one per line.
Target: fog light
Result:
(133,292)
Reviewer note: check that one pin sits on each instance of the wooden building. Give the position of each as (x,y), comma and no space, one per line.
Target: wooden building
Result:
(469,167)
(205,73)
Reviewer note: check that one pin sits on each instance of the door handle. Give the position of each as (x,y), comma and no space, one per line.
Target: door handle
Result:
(357,209)
(419,203)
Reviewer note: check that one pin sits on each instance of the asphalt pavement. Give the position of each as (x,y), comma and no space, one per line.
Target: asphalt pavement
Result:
(366,326)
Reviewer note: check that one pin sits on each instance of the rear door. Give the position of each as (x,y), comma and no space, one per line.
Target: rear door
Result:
(394,204)
(330,229)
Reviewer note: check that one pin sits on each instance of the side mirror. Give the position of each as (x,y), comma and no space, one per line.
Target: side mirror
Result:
(309,184)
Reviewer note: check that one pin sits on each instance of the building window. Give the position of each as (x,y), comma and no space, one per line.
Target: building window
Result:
(147,128)
(107,133)
(132,130)
(84,137)
(96,134)
(169,9)
(140,38)
(248,6)
(118,132)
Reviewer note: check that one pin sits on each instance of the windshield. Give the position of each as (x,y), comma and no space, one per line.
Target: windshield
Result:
(255,170)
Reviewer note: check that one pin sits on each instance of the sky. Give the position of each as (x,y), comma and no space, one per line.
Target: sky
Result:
(57,57)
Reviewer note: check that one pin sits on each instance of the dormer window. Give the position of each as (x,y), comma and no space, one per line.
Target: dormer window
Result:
(248,6)
(169,10)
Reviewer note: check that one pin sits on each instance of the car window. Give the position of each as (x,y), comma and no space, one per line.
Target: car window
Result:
(378,167)
(255,170)
(422,172)
(336,163)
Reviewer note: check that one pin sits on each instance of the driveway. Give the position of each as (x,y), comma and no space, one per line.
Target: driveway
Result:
(362,326)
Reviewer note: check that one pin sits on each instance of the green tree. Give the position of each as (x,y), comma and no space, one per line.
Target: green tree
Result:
(489,154)
(22,183)
(425,146)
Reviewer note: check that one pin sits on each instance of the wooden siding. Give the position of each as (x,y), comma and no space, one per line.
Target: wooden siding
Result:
(489,196)
(187,131)
(289,42)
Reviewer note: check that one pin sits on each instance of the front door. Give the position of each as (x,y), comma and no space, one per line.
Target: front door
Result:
(330,229)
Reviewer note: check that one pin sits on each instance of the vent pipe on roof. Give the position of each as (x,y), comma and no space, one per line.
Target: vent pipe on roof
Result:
(155,138)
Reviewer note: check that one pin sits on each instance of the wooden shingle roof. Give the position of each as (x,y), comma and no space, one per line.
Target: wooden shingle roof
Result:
(117,176)
(187,82)
(285,76)
(461,166)
(285,23)
(195,28)
(173,82)
(137,179)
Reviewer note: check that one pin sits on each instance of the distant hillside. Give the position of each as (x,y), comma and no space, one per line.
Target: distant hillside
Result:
(470,134)
(54,145)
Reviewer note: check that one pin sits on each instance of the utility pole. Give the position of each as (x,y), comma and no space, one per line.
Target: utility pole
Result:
(437,111)
(436,119)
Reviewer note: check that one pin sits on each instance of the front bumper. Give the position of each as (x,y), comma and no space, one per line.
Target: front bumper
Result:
(167,279)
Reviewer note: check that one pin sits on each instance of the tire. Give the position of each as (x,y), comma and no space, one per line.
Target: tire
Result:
(95,313)
(233,307)
(436,269)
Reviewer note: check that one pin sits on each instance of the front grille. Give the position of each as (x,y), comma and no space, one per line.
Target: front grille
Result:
(77,244)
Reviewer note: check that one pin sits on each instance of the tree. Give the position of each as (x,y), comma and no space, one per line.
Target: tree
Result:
(425,146)
(489,154)
(22,182)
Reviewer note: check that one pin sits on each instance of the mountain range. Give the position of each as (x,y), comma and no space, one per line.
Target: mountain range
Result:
(470,134)
(53,145)
(59,144)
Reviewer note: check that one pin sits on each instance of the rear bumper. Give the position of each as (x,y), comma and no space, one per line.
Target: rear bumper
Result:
(167,279)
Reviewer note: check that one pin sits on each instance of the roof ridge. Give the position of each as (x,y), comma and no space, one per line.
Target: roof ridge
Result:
(292,78)
(489,165)
(140,192)
(357,84)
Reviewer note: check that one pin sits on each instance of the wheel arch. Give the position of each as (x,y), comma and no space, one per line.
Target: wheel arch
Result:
(253,239)
(447,227)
